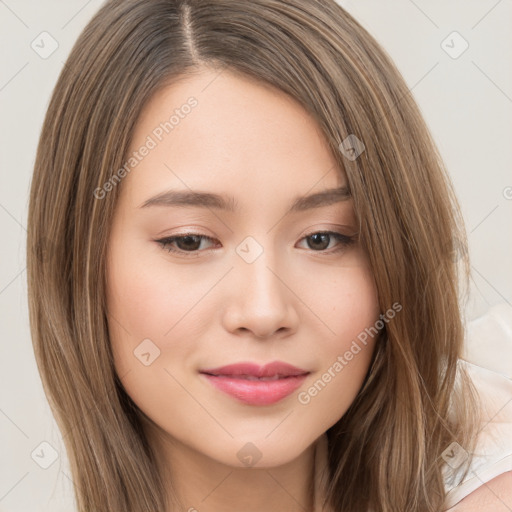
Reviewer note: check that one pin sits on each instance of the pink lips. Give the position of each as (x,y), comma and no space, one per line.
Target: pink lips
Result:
(256,385)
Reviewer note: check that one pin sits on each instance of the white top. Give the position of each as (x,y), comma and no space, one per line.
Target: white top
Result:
(488,360)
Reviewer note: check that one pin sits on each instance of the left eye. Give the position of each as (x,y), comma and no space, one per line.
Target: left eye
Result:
(321,241)
(191,243)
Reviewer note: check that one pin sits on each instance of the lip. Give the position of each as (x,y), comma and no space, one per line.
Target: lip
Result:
(254,370)
(234,380)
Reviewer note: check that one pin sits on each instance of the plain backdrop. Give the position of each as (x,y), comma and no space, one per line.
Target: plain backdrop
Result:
(465,97)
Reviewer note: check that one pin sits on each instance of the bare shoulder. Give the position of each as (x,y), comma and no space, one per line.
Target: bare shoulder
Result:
(493,496)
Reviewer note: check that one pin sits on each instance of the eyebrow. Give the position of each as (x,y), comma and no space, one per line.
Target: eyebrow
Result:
(189,198)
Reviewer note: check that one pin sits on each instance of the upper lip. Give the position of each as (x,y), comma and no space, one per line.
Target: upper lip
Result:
(251,369)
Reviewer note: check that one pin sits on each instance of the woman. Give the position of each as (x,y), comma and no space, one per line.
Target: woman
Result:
(243,289)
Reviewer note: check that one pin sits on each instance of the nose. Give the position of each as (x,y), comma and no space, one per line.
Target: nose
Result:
(261,300)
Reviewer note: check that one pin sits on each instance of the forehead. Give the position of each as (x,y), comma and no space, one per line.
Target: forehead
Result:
(227,133)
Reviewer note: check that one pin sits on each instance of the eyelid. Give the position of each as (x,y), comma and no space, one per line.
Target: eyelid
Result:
(330,230)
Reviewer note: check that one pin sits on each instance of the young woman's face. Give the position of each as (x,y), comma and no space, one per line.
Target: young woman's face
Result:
(252,280)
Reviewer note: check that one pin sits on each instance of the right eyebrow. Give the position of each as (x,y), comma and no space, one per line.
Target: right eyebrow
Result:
(191,198)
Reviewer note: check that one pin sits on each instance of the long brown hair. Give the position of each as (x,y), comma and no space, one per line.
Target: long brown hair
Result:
(385,454)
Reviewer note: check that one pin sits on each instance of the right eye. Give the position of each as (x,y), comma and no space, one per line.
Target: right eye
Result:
(183,244)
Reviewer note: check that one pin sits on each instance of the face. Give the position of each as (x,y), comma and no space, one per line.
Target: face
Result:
(252,276)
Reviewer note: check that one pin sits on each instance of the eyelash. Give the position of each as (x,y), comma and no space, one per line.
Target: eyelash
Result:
(345,241)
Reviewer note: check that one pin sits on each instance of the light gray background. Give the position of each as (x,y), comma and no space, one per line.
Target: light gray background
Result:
(466,101)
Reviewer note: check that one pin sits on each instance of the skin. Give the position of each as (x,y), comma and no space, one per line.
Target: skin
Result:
(297,303)
(493,496)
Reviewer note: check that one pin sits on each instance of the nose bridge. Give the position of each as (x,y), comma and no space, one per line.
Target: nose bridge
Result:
(260,302)
(258,279)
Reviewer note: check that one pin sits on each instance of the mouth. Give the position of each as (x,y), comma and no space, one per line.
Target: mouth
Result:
(255,385)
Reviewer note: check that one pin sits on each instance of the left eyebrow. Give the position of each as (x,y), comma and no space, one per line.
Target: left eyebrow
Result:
(323,198)
(188,198)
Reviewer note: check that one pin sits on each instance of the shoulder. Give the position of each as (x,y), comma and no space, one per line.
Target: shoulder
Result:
(488,484)
(493,496)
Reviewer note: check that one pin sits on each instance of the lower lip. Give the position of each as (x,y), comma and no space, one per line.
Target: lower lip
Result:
(257,392)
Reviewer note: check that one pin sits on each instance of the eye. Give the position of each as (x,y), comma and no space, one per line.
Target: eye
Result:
(187,243)
(321,241)
(190,244)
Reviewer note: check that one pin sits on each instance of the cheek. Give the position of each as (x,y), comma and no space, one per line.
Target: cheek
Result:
(146,298)
(344,300)
(142,303)
(152,332)
(158,309)
(349,310)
